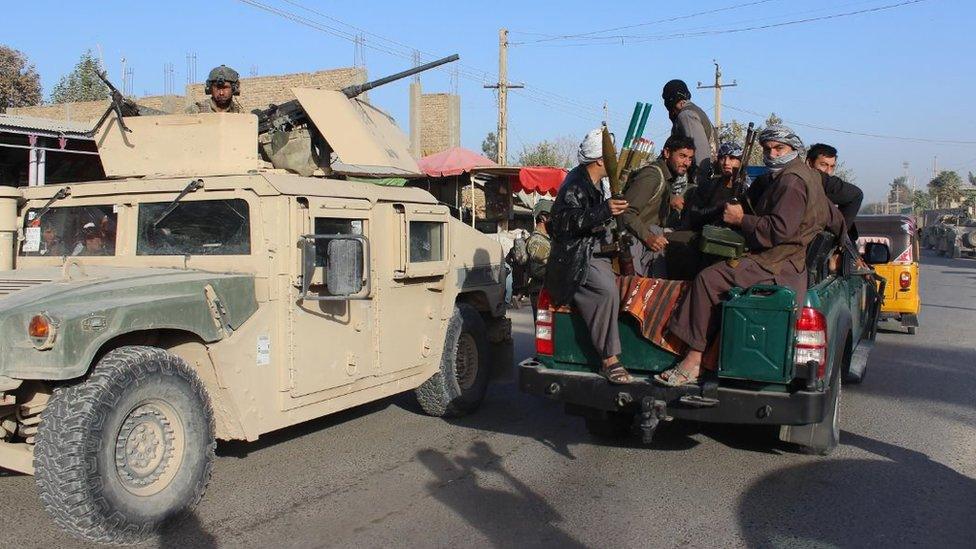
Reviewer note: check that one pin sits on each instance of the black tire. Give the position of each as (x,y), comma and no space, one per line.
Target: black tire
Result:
(912,330)
(460,385)
(98,467)
(615,425)
(820,438)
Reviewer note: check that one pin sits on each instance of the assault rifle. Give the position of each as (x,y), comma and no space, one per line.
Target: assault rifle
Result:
(739,177)
(290,113)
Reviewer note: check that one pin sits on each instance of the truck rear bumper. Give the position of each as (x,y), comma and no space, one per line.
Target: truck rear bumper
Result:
(733,405)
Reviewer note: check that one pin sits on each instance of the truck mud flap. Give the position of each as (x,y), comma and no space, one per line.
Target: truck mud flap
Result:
(721,405)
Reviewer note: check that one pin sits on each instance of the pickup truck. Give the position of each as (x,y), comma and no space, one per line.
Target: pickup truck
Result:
(779,362)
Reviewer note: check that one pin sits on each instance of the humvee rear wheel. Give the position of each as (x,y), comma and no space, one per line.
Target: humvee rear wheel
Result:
(128,450)
(460,385)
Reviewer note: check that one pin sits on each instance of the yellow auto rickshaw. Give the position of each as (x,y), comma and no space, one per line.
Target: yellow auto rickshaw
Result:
(901,296)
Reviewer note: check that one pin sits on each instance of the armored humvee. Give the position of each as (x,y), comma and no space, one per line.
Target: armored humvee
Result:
(201,293)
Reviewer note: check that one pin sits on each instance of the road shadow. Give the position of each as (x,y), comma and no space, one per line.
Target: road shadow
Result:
(901,500)
(930,257)
(187,533)
(509,517)
(908,371)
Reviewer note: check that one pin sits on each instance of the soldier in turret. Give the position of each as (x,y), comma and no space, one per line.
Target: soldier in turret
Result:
(223,83)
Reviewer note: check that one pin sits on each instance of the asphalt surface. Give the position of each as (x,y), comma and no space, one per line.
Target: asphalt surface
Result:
(521,473)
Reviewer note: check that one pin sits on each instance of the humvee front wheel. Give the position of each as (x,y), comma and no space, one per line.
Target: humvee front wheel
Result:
(128,450)
(460,385)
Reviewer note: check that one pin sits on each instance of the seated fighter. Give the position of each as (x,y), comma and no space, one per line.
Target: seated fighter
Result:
(648,193)
(790,209)
(575,272)
(846,196)
(708,200)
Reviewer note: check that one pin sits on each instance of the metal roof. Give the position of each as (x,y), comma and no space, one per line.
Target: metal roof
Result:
(32,124)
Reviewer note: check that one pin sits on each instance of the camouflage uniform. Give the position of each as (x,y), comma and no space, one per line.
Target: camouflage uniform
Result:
(208,105)
(538,247)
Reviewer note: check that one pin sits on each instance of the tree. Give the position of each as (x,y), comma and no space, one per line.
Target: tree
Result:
(735,132)
(874,208)
(921,201)
(944,188)
(543,153)
(845,173)
(900,192)
(972,178)
(489,147)
(20,85)
(82,83)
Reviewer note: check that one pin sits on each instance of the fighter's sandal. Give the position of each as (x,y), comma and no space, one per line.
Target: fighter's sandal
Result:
(616,374)
(675,378)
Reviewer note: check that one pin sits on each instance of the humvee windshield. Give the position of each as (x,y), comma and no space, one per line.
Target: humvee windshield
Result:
(70,231)
(205,227)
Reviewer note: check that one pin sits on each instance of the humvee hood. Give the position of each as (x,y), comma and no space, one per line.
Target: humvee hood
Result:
(90,305)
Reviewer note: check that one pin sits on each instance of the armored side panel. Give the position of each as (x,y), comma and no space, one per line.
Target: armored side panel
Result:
(365,139)
(176,145)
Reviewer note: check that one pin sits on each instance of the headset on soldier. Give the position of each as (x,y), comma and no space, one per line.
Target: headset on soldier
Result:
(223,75)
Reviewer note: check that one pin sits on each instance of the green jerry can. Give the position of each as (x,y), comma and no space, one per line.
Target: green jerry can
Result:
(722,242)
(757,334)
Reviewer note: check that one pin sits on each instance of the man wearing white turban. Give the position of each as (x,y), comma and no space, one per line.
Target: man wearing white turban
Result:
(575,272)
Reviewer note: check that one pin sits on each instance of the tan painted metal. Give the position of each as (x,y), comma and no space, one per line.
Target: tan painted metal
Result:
(366,140)
(8,225)
(175,145)
(293,359)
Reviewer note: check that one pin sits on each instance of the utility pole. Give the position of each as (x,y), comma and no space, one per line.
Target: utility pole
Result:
(503,86)
(718,85)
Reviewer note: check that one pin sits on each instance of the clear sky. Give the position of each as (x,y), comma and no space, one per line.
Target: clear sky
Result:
(907,71)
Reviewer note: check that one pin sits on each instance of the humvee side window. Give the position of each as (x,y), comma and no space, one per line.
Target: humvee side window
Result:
(333,225)
(201,227)
(426,241)
(70,231)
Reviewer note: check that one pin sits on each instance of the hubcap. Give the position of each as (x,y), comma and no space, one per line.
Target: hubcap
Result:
(149,448)
(466,362)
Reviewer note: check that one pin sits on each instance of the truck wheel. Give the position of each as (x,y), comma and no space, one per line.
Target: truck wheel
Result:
(912,330)
(128,450)
(819,438)
(460,385)
(615,425)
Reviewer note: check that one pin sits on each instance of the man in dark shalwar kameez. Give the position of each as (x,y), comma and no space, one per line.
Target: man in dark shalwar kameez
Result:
(789,210)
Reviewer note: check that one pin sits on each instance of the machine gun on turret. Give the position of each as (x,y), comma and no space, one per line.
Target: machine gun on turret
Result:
(290,113)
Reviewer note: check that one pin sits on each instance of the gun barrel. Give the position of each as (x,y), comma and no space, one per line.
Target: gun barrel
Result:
(358,89)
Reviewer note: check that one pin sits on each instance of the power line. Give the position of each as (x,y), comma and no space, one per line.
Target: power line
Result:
(862,134)
(623,39)
(399,49)
(550,38)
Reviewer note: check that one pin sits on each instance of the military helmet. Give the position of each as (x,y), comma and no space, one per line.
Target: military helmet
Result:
(543,206)
(223,75)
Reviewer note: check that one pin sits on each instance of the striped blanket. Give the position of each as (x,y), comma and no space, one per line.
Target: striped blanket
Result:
(652,301)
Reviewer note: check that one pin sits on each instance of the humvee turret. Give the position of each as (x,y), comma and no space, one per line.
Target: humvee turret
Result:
(200,293)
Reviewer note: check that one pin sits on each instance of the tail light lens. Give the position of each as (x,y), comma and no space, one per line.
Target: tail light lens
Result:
(811,339)
(905,280)
(544,325)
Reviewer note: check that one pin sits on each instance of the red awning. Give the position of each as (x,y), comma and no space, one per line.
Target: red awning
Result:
(540,179)
(453,161)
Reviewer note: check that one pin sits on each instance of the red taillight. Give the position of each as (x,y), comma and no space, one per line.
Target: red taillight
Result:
(544,325)
(905,280)
(811,339)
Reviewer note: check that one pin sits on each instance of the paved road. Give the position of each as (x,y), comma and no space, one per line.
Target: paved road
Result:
(520,473)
